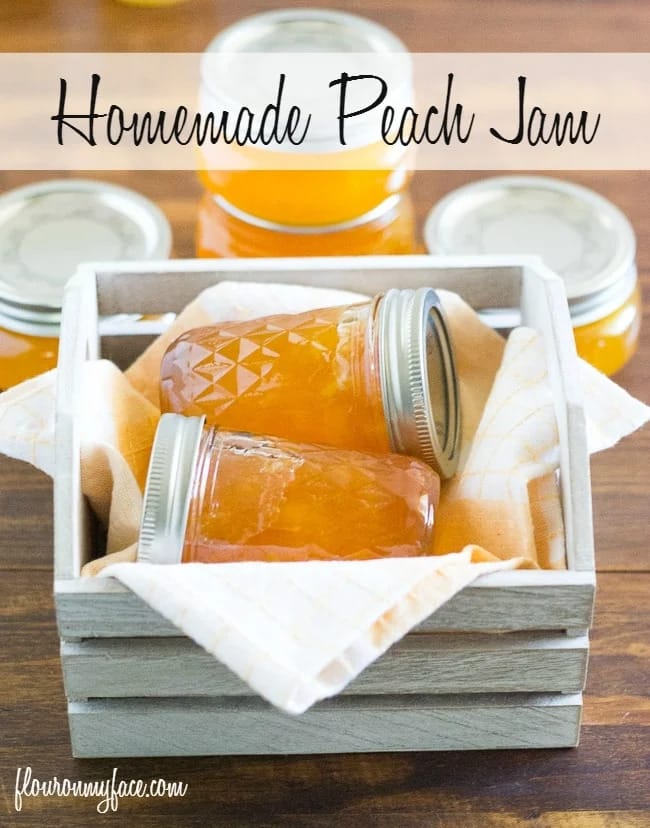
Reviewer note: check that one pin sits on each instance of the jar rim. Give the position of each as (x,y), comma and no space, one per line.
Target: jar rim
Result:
(387,206)
(168,489)
(419,380)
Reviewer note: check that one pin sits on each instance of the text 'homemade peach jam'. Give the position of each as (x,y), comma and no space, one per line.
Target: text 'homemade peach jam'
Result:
(378,376)
(217,496)
(316,180)
(224,231)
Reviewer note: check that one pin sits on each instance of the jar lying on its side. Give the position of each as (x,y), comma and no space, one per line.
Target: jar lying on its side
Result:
(378,376)
(216,496)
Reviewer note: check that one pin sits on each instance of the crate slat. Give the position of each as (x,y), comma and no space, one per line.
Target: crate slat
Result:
(94,608)
(202,727)
(424,663)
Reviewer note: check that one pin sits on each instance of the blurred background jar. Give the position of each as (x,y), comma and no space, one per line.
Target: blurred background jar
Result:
(577,233)
(46,230)
(339,188)
(225,231)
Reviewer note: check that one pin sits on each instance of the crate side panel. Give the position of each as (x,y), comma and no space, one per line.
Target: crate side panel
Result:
(186,727)
(427,663)
(168,286)
(121,613)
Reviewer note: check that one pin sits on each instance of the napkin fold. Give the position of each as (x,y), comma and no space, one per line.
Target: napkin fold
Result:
(299,632)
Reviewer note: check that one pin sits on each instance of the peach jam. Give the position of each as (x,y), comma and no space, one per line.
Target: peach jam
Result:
(379,376)
(26,349)
(216,496)
(578,234)
(321,181)
(224,231)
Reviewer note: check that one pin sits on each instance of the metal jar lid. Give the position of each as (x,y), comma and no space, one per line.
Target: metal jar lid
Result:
(49,228)
(579,234)
(168,490)
(418,378)
(226,78)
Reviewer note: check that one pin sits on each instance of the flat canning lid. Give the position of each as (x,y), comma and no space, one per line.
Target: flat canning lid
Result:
(48,229)
(579,234)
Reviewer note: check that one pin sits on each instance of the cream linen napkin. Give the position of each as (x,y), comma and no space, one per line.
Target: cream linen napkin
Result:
(299,632)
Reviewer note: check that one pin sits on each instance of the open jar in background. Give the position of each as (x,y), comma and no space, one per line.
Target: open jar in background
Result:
(321,184)
(214,496)
(46,231)
(580,235)
(379,376)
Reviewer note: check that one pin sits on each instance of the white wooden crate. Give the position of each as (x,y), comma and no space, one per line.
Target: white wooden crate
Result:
(500,665)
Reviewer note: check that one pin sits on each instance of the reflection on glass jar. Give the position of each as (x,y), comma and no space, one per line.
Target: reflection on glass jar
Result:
(214,496)
(224,231)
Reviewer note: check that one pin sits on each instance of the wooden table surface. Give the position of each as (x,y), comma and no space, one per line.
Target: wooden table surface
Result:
(603,782)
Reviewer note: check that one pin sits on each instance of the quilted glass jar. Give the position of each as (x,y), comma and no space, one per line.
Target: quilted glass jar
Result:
(214,496)
(379,376)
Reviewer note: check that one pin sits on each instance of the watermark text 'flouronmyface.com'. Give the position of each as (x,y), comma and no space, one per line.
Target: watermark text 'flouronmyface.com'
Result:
(108,791)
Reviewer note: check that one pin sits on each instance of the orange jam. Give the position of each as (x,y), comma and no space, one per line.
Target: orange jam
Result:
(311,377)
(378,376)
(312,197)
(608,343)
(23,356)
(224,232)
(237,497)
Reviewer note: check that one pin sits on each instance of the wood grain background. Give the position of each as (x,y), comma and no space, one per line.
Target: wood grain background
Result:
(603,782)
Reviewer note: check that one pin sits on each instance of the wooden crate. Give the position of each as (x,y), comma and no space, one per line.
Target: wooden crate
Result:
(501,665)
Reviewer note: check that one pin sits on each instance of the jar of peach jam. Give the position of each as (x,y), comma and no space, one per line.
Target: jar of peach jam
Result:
(215,496)
(579,234)
(46,230)
(321,182)
(225,231)
(379,376)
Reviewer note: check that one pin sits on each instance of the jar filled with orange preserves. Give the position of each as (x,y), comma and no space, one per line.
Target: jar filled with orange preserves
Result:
(321,186)
(46,230)
(225,231)
(214,496)
(580,235)
(379,376)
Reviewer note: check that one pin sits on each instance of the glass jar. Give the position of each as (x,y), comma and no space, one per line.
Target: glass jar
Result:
(580,235)
(321,182)
(46,230)
(26,349)
(214,496)
(224,231)
(378,376)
